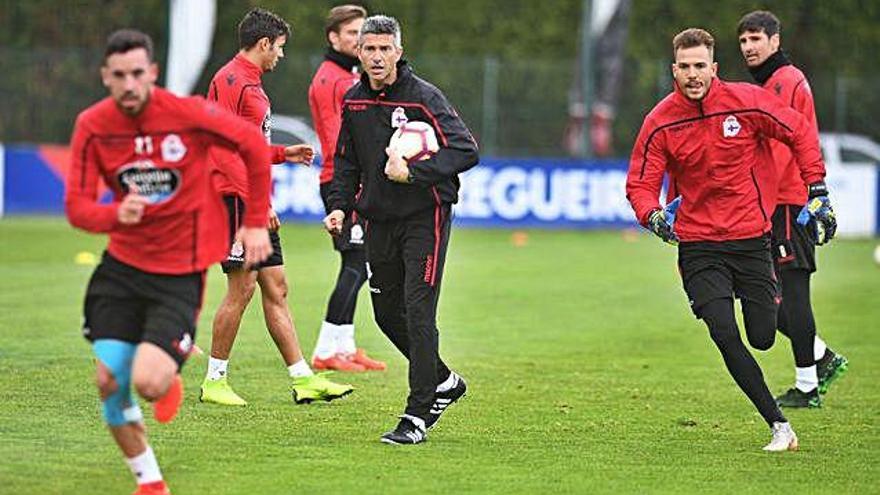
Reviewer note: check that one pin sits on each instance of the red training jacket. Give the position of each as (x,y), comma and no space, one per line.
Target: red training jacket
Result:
(717,155)
(791,86)
(164,152)
(329,85)
(237,88)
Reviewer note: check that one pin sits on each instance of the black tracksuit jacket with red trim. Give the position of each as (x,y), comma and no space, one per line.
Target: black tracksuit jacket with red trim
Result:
(717,153)
(367,127)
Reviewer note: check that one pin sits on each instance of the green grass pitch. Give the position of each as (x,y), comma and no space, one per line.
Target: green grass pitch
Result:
(586,374)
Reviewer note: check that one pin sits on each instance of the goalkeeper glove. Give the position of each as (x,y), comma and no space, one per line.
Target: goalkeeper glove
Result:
(661,222)
(817,215)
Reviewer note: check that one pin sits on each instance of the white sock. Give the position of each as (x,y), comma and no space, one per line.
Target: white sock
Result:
(144,467)
(450,382)
(345,339)
(299,368)
(819,348)
(806,379)
(327,337)
(217,368)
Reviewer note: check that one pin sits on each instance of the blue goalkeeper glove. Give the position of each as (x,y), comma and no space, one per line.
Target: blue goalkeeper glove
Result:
(817,215)
(661,222)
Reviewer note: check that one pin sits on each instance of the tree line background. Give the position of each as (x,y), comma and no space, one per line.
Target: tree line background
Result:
(507,65)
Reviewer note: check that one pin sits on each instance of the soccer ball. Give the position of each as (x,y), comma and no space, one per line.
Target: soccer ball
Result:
(415,141)
(877,254)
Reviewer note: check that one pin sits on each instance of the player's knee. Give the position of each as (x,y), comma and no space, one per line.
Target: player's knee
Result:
(722,326)
(241,291)
(105,382)
(277,291)
(724,335)
(355,270)
(760,326)
(150,387)
(352,278)
(113,379)
(762,343)
(762,334)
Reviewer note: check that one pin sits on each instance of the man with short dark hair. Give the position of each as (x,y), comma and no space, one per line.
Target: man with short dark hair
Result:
(794,251)
(237,87)
(336,347)
(166,227)
(408,208)
(711,137)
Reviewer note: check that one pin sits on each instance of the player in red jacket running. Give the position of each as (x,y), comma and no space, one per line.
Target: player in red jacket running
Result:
(794,253)
(237,87)
(336,348)
(166,227)
(711,137)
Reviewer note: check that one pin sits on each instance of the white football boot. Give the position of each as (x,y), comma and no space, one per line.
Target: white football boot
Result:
(783,438)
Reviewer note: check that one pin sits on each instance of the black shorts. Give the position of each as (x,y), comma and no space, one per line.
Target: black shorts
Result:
(793,249)
(352,236)
(727,269)
(235,259)
(125,303)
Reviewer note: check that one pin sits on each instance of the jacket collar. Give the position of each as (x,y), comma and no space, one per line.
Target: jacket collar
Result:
(763,72)
(346,62)
(404,74)
(714,88)
(250,69)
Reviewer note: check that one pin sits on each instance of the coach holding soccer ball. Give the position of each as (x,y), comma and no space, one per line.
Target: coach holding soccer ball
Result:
(407,204)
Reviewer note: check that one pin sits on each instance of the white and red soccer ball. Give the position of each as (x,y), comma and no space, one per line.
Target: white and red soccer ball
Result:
(415,141)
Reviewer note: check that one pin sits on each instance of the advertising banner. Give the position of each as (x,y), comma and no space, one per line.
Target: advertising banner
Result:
(497,193)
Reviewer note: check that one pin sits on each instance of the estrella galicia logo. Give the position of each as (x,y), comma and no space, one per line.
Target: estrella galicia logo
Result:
(156,184)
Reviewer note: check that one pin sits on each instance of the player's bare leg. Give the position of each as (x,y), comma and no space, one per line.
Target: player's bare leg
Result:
(240,288)
(124,418)
(154,376)
(307,386)
(279,321)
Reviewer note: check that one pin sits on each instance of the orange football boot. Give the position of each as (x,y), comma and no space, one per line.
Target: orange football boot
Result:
(338,362)
(165,409)
(154,488)
(360,357)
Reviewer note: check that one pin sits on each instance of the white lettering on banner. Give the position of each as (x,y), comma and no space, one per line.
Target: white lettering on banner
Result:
(575,195)
(474,200)
(547,194)
(508,195)
(544,206)
(296,190)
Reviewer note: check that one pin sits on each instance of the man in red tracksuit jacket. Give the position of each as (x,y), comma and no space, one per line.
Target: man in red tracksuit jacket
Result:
(794,253)
(710,136)
(166,227)
(237,87)
(336,347)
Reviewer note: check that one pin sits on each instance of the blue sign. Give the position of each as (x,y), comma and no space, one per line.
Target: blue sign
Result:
(499,193)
